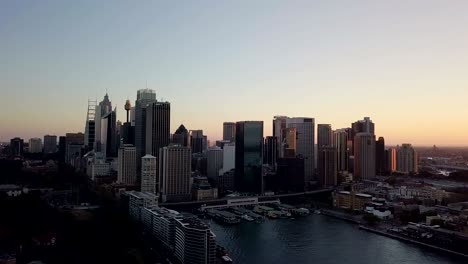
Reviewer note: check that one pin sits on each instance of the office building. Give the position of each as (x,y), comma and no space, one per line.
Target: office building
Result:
(270,153)
(364,156)
(62,147)
(149,174)
(229,157)
(74,143)
(144,98)
(229,131)
(175,172)
(279,123)
(361,126)
(289,142)
(328,173)
(248,159)
(289,175)
(158,124)
(197,141)
(35,145)
(104,107)
(90,126)
(181,136)
(340,142)
(97,168)
(50,144)
(127,173)
(108,140)
(391,161)
(202,190)
(407,159)
(214,162)
(17,147)
(380,156)
(324,142)
(305,129)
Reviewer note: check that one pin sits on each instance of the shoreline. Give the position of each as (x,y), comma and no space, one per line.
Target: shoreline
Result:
(349,219)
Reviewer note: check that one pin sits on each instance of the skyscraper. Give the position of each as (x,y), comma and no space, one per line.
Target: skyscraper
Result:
(327,166)
(340,142)
(90,126)
(158,124)
(194,242)
(324,142)
(104,107)
(279,123)
(391,162)
(214,162)
(305,127)
(127,173)
(149,174)
(17,147)
(50,144)
(361,126)
(249,147)
(229,157)
(289,142)
(35,145)
(175,172)
(74,143)
(364,156)
(181,136)
(407,159)
(144,98)
(108,140)
(196,141)
(380,156)
(229,131)
(270,153)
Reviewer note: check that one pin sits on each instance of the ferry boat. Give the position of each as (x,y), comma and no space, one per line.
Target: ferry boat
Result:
(247,218)
(301,211)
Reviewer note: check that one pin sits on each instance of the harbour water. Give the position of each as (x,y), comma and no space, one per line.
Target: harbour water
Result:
(318,239)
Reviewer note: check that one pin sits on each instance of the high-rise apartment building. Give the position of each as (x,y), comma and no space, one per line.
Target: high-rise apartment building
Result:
(249,147)
(229,131)
(149,174)
(175,172)
(158,124)
(194,242)
(35,145)
(50,144)
(127,173)
(407,159)
(364,156)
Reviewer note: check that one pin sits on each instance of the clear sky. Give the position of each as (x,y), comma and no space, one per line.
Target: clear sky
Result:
(403,63)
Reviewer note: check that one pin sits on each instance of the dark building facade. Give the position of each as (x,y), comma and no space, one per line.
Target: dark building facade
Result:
(109,138)
(197,141)
(158,123)
(270,153)
(248,158)
(181,136)
(380,156)
(229,131)
(144,98)
(17,147)
(327,166)
(289,175)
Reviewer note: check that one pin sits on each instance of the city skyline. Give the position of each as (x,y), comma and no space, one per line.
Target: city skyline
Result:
(403,65)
